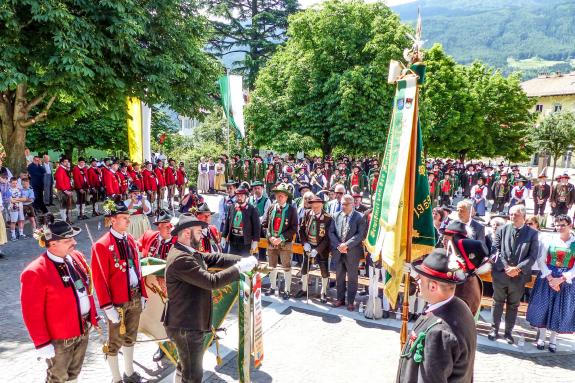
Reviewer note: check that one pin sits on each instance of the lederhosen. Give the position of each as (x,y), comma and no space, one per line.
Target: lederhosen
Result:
(316,228)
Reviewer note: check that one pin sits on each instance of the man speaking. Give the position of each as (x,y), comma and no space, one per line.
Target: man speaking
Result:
(188,313)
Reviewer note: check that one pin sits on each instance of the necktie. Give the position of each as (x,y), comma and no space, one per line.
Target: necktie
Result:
(345,228)
(338,208)
(77,281)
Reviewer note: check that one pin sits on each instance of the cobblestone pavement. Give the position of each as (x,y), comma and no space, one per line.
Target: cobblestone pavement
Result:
(321,345)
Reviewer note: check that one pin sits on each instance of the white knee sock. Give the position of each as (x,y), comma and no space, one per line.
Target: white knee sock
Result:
(177,377)
(553,337)
(287,278)
(324,285)
(114,368)
(128,360)
(273,279)
(63,214)
(72,381)
(304,282)
(542,335)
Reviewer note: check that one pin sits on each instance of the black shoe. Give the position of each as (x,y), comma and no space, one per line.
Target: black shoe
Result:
(285,295)
(300,294)
(552,347)
(134,378)
(493,334)
(541,346)
(84,216)
(158,355)
(323,298)
(270,292)
(509,338)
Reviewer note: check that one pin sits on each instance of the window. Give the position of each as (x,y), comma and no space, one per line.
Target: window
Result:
(557,108)
(539,108)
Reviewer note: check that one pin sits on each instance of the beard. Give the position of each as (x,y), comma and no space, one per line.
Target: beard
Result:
(195,243)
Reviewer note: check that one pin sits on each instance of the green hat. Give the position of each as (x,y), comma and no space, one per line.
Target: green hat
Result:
(257,183)
(282,188)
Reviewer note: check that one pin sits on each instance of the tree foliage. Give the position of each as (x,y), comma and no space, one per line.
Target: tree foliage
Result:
(473,111)
(555,135)
(93,52)
(250,29)
(327,86)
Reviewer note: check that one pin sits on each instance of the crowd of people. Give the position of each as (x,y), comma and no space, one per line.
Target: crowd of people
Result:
(322,204)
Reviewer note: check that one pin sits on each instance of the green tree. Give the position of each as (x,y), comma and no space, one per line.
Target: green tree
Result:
(94,51)
(327,86)
(250,29)
(71,128)
(555,135)
(161,125)
(473,111)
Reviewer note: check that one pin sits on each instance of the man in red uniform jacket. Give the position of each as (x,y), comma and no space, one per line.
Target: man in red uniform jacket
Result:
(64,188)
(81,185)
(57,302)
(95,185)
(211,236)
(112,181)
(136,175)
(170,178)
(159,172)
(150,182)
(125,180)
(181,180)
(120,288)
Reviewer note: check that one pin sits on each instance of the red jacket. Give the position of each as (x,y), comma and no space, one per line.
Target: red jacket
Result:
(51,310)
(123,182)
(94,177)
(62,178)
(150,181)
(160,176)
(112,283)
(111,182)
(181,177)
(170,175)
(137,179)
(80,176)
(149,244)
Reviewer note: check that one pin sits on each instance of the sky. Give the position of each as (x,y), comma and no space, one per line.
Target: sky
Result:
(390,3)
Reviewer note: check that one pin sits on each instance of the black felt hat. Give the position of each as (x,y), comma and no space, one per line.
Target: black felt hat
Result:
(187,221)
(242,190)
(436,266)
(112,208)
(204,208)
(455,227)
(304,185)
(164,216)
(134,188)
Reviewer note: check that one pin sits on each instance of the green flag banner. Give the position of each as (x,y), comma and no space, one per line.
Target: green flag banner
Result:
(387,233)
(231,90)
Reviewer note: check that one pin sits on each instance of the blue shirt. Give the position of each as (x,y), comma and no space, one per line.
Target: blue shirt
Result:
(27,193)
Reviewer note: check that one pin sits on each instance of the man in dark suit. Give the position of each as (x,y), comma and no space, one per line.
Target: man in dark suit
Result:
(37,171)
(516,249)
(441,347)
(242,227)
(475,229)
(188,312)
(346,234)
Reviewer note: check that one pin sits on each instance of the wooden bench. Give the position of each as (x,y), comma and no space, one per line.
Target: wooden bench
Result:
(488,301)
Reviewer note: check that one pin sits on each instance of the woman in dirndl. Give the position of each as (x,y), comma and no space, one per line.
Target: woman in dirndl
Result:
(203,176)
(139,208)
(552,302)
(220,176)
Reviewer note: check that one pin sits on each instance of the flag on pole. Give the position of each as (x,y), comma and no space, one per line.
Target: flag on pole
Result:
(139,128)
(387,234)
(231,88)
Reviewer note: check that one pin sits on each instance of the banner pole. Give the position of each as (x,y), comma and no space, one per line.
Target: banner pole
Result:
(410,202)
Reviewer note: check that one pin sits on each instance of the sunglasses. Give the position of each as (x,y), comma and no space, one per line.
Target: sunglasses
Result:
(531,224)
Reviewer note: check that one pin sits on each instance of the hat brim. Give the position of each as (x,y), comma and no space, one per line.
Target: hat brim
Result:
(75,232)
(156,223)
(282,191)
(419,268)
(176,229)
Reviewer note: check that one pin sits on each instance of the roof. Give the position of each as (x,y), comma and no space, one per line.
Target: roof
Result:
(550,85)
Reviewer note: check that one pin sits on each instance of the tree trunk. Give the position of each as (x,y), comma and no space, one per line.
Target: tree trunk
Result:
(69,152)
(462,155)
(553,173)
(14,146)
(326,147)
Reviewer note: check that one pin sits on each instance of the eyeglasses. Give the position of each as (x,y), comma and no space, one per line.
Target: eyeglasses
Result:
(560,225)
(530,224)
(338,193)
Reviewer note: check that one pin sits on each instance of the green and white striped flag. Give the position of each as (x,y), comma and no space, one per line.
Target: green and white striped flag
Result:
(231,88)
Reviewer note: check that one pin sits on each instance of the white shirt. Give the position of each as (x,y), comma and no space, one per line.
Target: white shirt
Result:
(547,242)
(437,305)
(83,298)
(132,272)
(146,208)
